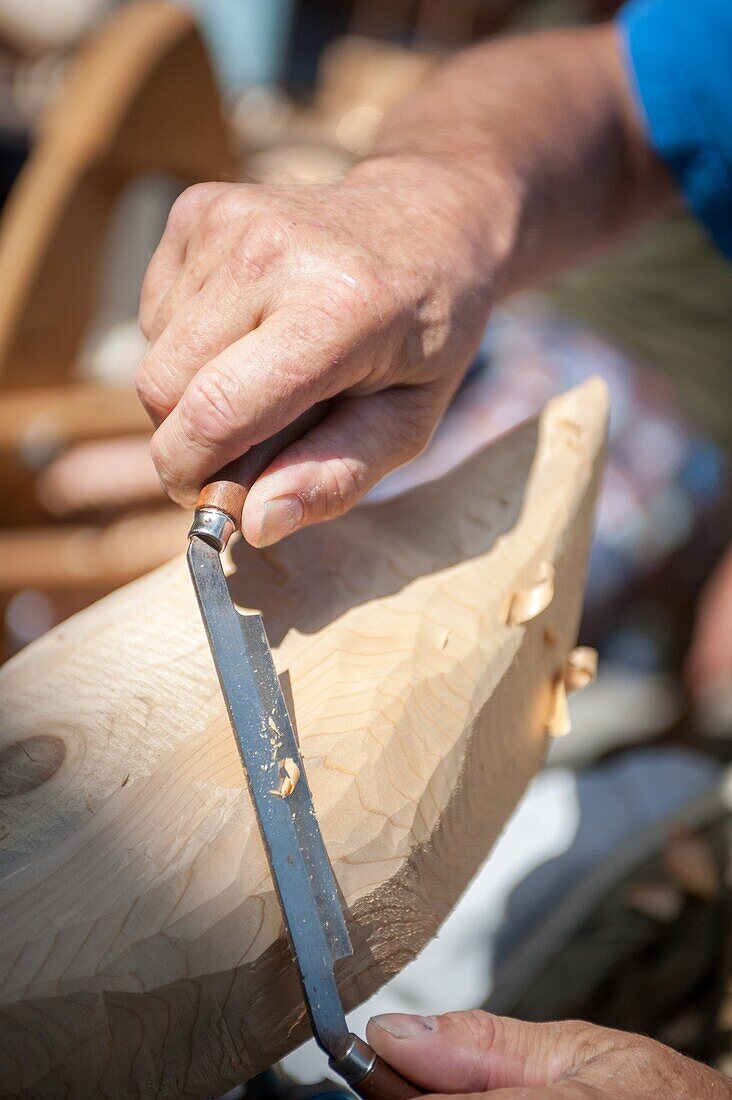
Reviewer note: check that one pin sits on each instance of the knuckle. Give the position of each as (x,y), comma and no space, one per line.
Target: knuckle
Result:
(185,210)
(415,435)
(258,247)
(344,484)
(415,417)
(348,293)
(150,387)
(481,1029)
(231,202)
(340,484)
(210,411)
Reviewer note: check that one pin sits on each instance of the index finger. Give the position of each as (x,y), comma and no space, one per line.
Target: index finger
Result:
(169,257)
(252,389)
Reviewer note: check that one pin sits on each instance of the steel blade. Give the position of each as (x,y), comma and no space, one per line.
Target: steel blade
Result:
(301,871)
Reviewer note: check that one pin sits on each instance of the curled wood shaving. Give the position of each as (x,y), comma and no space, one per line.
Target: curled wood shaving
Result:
(558,723)
(291,777)
(527,603)
(581,668)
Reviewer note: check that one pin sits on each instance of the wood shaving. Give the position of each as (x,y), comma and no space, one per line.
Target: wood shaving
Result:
(527,603)
(558,723)
(290,780)
(581,668)
(570,433)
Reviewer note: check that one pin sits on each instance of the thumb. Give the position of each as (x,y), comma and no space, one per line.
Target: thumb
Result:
(327,471)
(475,1051)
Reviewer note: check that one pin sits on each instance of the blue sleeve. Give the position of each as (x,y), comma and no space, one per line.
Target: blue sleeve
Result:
(680,54)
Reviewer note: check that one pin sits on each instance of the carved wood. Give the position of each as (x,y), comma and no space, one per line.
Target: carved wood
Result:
(141,947)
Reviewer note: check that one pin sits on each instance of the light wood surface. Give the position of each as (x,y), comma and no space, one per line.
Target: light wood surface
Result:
(141,947)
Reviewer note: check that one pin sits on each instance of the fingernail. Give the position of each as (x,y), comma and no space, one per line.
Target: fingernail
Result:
(281,517)
(403,1026)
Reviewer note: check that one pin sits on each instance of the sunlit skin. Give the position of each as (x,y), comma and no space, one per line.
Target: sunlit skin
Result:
(477,1053)
(514,160)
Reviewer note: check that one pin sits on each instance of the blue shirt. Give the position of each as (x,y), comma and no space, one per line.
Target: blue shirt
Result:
(680,55)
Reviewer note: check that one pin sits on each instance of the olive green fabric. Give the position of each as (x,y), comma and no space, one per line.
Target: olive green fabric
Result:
(666,296)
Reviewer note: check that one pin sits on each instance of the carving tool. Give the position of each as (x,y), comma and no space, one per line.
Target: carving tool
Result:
(303,877)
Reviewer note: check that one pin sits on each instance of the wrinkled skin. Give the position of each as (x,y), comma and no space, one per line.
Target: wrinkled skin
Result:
(477,1053)
(260,302)
(516,158)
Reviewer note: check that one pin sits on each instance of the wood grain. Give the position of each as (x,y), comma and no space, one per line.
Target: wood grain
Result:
(141,947)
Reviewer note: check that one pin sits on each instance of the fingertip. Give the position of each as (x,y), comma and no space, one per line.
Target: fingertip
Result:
(273,519)
(403,1025)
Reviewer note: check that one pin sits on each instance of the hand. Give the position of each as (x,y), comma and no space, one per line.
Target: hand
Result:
(475,1052)
(709,664)
(261,301)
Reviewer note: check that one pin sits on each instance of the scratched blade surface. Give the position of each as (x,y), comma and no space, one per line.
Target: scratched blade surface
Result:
(301,870)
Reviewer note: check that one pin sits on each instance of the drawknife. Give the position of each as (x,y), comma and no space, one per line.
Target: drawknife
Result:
(303,877)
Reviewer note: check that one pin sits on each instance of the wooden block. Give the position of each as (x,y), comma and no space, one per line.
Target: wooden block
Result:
(141,947)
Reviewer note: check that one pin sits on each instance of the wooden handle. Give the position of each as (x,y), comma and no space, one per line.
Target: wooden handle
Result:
(228,490)
(384,1083)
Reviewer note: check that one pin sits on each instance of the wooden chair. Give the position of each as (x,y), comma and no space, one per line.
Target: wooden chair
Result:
(140,98)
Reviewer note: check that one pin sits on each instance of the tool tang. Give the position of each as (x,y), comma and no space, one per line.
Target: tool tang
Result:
(301,871)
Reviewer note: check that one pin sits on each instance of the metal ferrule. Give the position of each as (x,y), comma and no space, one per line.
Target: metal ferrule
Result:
(357,1060)
(213,526)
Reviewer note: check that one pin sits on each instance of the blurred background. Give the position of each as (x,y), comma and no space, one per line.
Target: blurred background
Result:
(607,896)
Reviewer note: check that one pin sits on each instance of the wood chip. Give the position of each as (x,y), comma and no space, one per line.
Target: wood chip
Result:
(291,777)
(581,668)
(558,723)
(527,603)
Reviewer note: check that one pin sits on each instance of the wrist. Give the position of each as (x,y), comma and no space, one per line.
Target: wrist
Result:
(472,208)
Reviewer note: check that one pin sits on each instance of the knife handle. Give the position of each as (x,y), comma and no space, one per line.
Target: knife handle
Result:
(226,492)
(384,1083)
(370,1077)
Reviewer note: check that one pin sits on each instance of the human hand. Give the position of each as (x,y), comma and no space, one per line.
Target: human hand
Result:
(709,663)
(262,301)
(475,1052)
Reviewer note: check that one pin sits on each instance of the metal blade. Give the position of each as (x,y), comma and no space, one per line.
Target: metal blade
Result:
(301,870)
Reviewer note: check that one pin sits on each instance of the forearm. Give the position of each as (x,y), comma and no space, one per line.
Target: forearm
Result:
(373,292)
(536,145)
